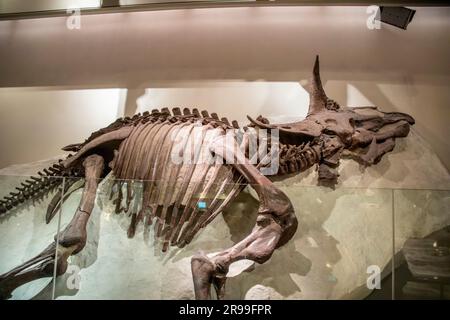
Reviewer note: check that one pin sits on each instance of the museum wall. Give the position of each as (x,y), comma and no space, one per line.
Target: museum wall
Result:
(36,123)
(392,68)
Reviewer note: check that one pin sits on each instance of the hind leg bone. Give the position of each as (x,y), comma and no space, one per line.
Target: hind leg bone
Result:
(70,241)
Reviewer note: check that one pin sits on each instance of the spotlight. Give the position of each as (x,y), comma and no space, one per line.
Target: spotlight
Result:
(396,16)
(110,3)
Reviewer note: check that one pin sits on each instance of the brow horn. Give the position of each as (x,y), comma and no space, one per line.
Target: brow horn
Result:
(317,96)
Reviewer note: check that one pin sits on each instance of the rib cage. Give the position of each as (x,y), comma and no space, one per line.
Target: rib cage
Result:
(173,194)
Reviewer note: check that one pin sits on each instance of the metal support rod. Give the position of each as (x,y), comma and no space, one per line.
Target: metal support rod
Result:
(393,245)
(57,239)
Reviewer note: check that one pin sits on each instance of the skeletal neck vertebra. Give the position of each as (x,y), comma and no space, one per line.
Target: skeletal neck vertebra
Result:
(298,158)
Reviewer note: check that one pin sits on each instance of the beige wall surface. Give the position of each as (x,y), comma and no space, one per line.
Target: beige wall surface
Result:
(36,124)
(399,70)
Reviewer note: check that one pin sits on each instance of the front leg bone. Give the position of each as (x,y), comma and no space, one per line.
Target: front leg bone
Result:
(275,225)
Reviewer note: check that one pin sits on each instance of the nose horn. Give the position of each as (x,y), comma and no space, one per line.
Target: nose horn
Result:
(317,96)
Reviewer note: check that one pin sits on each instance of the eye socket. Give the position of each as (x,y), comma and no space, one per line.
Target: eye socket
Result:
(330,132)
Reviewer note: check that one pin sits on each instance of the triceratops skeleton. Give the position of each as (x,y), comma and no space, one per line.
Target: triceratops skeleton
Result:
(140,149)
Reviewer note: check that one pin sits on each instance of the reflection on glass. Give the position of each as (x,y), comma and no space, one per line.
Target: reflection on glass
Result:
(423,270)
(343,246)
(26,237)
